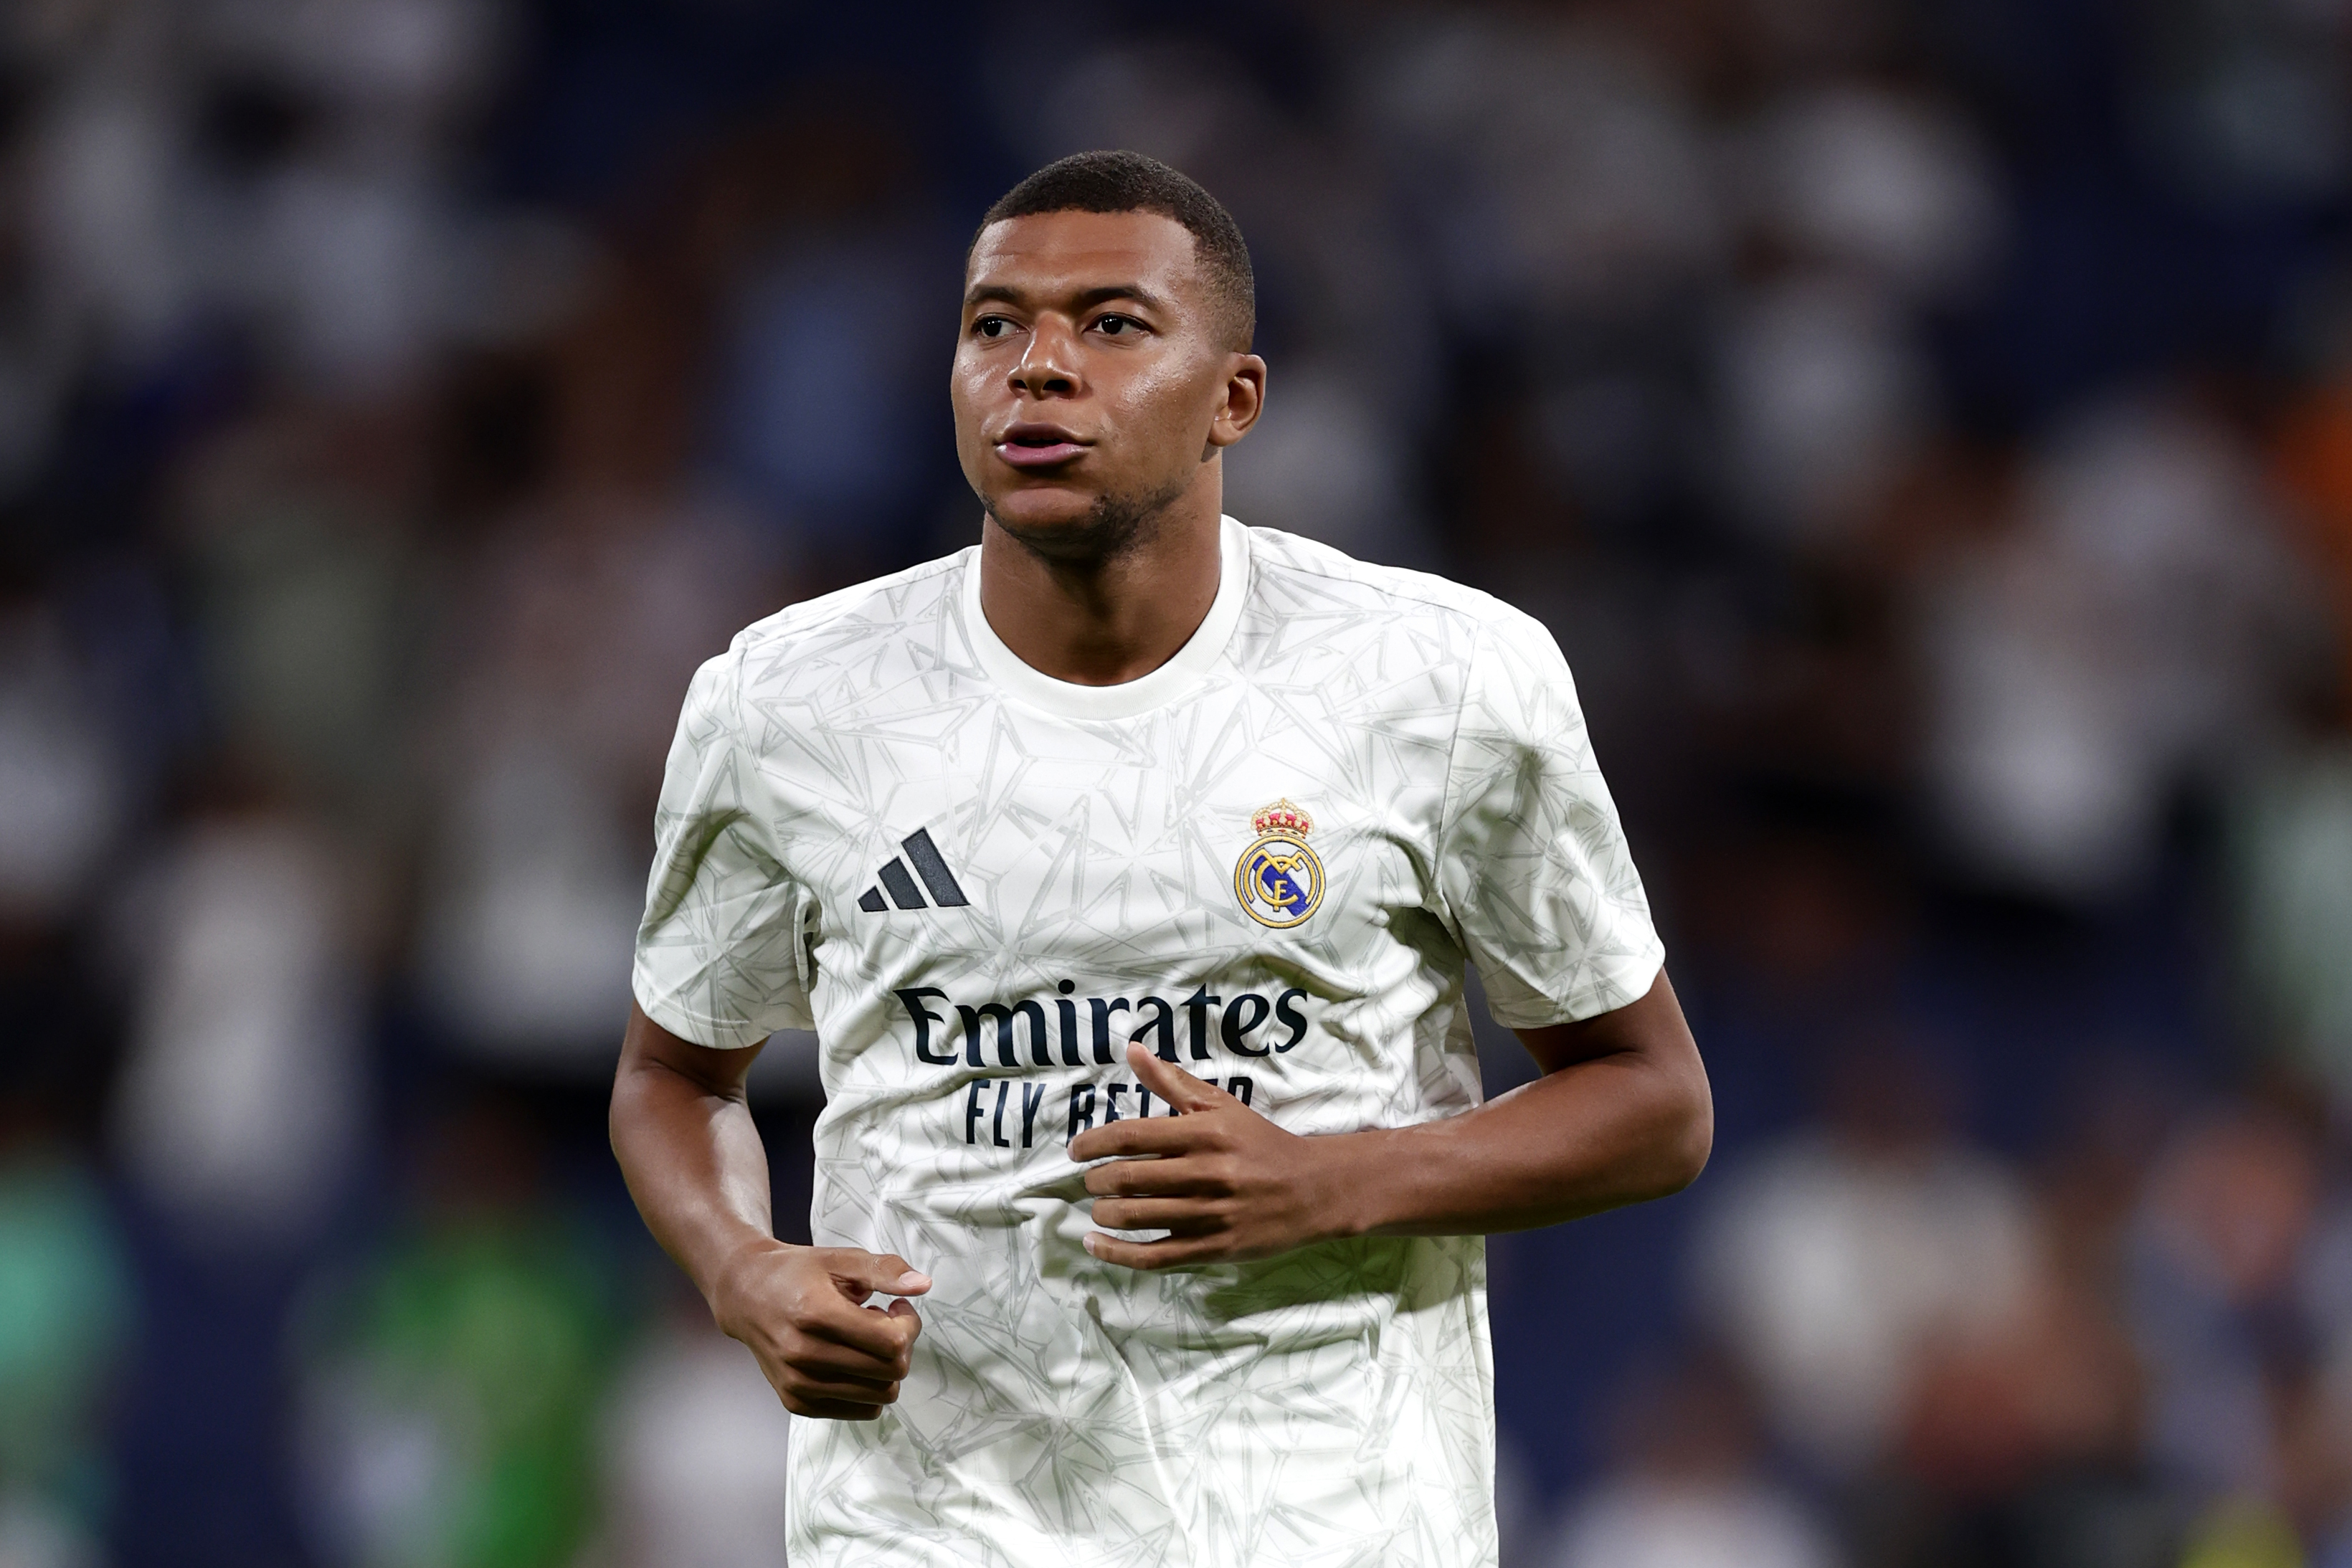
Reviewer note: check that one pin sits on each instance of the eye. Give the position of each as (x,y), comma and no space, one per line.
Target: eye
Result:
(1119,325)
(992,327)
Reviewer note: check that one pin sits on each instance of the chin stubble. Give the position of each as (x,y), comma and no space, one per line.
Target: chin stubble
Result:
(1112,527)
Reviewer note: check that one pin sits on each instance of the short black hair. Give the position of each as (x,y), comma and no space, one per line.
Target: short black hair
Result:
(1125,182)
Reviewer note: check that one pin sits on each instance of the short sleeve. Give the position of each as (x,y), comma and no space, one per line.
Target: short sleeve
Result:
(721,957)
(1537,881)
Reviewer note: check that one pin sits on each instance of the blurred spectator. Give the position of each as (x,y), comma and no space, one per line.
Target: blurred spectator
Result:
(2292,904)
(65,1305)
(694,1451)
(106,165)
(2292,865)
(450,1387)
(1859,202)
(1324,469)
(837,457)
(243,1095)
(1825,396)
(2021,1442)
(579,620)
(2216,1251)
(2127,632)
(299,532)
(1565,168)
(814,233)
(1834,1262)
(1690,1491)
(62,795)
(1884,184)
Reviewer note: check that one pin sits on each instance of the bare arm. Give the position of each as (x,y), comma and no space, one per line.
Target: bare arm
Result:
(695,1164)
(1623,1114)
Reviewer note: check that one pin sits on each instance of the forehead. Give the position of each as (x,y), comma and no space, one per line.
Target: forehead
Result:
(1054,253)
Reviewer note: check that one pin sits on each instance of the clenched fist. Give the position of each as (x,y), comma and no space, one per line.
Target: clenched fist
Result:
(803,1312)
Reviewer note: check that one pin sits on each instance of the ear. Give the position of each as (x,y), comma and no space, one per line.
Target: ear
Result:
(1244,400)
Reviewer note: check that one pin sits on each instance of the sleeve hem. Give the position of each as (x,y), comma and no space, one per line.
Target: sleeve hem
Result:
(1621,987)
(695,1029)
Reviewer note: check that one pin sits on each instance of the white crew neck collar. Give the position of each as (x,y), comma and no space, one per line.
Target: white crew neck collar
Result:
(1187,669)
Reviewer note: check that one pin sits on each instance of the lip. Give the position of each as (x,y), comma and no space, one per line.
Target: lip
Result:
(1034,445)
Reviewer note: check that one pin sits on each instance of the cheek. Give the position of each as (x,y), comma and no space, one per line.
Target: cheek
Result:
(965,385)
(1166,400)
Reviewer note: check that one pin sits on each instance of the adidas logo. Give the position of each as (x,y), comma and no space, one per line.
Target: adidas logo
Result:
(901,886)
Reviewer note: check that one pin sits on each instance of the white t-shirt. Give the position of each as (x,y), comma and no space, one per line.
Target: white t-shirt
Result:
(1268,860)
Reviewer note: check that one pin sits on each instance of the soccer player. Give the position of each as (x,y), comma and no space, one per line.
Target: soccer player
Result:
(1126,865)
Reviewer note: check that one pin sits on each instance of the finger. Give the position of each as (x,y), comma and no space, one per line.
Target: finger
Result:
(1154,1178)
(883,1334)
(800,1348)
(1181,1215)
(862,1274)
(1132,1136)
(839,1391)
(831,1410)
(881,1347)
(816,1357)
(873,1341)
(1155,1254)
(1173,1083)
(833,1398)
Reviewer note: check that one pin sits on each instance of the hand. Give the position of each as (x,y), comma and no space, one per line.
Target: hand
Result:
(1227,1184)
(801,1310)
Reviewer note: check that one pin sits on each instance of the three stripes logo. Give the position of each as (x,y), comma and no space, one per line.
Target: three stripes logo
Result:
(929,865)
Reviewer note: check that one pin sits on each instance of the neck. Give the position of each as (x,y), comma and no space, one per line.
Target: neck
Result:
(1106,621)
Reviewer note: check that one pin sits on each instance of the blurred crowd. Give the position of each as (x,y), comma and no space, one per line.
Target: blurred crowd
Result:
(1926,426)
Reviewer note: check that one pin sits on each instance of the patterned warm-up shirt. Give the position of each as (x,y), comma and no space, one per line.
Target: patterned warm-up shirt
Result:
(1268,860)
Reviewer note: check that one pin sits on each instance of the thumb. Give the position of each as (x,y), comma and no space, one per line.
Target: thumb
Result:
(1171,1083)
(886,1274)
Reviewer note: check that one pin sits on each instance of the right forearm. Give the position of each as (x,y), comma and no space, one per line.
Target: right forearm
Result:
(695,1165)
(693,1161)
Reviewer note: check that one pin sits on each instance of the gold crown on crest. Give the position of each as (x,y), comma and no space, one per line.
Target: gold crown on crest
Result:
(1282,817)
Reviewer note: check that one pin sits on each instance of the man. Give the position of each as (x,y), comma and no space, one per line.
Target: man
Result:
(1126,866)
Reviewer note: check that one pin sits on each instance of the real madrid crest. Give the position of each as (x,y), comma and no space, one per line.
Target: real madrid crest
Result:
(1278,879)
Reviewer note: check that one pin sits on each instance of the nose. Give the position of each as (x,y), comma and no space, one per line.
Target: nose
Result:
(1049,366)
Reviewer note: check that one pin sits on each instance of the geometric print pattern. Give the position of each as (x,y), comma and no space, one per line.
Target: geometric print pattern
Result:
(1330,1406)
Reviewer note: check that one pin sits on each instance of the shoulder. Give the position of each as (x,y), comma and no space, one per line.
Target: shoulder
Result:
(881,608)
(1299,575)
(808,648)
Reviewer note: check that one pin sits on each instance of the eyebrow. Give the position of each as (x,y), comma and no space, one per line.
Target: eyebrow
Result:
(1087,298)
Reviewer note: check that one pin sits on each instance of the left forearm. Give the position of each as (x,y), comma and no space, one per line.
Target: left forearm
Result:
(1621,1114)
(1593,1135)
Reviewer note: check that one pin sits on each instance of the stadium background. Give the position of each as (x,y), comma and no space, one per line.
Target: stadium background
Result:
(1927,428)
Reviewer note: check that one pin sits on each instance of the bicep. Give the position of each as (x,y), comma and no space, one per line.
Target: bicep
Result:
(1626,1095)
(647,1046)
(1652,1029)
